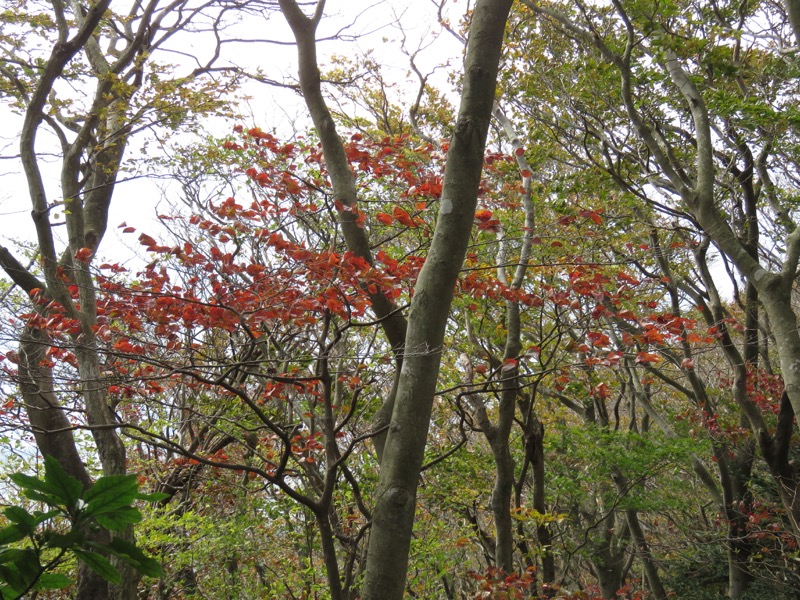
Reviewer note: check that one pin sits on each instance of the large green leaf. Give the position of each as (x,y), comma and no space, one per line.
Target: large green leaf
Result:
(56,489)
(41,517)
(11,534)
(36,489)
(19,568)
(11,576)
(99,564)
(154,497)
(119,519)
(7,592)
(134,556)
(53,581)
(20,516)
(111,493)
(60,483)
(63,540)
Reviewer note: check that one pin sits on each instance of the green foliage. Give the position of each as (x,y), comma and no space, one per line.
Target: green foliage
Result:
(35,544)
(702,574)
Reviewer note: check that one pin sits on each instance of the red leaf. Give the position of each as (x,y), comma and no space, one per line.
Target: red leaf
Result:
(403,217)
(647,358)
(509,363)
(602,391)
(84,254)
(483,215)
(625,278)
(492,225)
(384,218)
(146,240)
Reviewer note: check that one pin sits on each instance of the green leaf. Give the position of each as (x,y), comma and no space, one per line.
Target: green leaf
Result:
(57,489)
(41,517)
(7,593)
(64,485)
(11,576)
(134,556)
(99,564)
(53,581)
(154,497)
(119,519)
(19,567)
(20,516)
(28,564)
(110,493)
(36,489)
(63,540)
(11,555)
(11,534)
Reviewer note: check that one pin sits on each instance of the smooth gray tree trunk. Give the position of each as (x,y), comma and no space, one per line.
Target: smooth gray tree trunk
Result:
(393,517)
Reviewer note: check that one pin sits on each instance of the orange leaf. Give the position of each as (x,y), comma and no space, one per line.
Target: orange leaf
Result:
(403,217)
(83,254)
(492,225)
(483,215)
(384,218)
(647,358)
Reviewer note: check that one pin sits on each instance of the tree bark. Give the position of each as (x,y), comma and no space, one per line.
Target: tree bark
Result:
(393,517)
(392,320)
(534,442)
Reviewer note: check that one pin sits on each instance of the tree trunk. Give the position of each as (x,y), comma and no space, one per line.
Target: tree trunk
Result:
(393,517)
(392,321)
(536,440)
(329,555)
(501,504)
(654,582)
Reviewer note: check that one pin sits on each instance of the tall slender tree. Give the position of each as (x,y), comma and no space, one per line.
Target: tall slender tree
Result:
(108,56)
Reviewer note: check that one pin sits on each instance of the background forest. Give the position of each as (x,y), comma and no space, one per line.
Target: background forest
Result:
(521,325)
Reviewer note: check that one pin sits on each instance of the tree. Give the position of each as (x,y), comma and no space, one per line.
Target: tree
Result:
(393,516)
(89,45)
(694,178)
(529,356)
(727,195)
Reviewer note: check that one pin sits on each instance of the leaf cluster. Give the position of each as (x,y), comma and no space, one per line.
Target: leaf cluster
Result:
(77,521)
